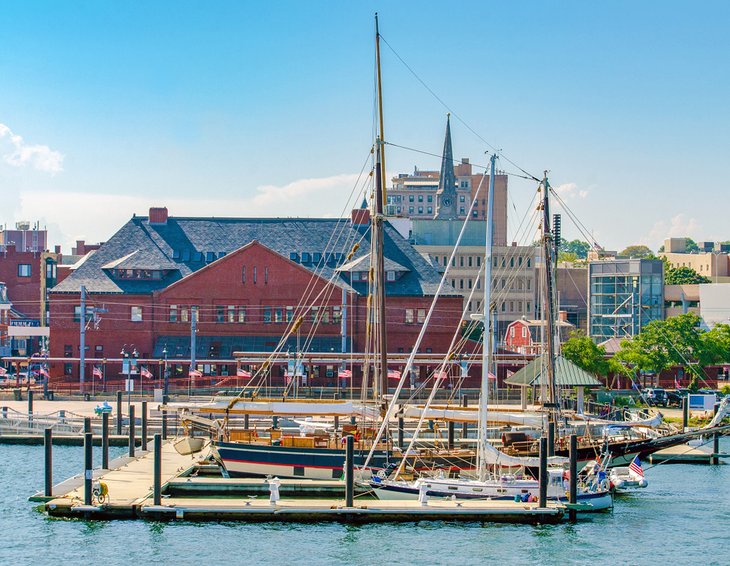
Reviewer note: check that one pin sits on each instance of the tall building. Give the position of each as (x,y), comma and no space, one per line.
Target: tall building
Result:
(447,194)
(712,261)
(624,296)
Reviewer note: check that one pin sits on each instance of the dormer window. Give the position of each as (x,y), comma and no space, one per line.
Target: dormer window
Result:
(390,276)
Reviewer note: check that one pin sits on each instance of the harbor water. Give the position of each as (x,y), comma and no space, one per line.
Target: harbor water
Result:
(682,517)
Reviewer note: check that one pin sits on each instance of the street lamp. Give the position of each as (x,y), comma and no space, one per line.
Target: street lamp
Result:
(127,369)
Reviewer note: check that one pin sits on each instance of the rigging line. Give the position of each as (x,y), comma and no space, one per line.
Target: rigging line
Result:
(581,227)
(436,96)
(454,161)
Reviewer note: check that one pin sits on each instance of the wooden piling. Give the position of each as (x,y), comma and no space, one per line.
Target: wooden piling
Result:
(337,422)
(119,413)
(164,424)
(87,424)
(48,462)
(131,431)
(464,425)
(685,413)
(30,405)
(144,425)
(715,459)
(401,433)
(157,472)
(247,421)
(105,441)
(349,470)
(573,469)
(450,437)
(543,478)
(88,467)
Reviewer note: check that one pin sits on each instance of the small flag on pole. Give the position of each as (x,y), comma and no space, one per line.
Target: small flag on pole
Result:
(393,374)
(144,372)
(492,376)
(195,373)
(344,374)
(440,375)
(96,372)
(44,372)
(635,467)
(240,372)
(677,385)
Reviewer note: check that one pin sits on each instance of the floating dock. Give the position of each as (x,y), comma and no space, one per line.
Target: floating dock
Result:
(130,496)
(684,454)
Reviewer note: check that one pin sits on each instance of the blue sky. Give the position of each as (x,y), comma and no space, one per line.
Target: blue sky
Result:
(265,108)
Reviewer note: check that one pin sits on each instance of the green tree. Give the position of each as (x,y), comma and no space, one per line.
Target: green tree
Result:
(577,247)
(683,276)
(637,251)
(677,341)
(585,353)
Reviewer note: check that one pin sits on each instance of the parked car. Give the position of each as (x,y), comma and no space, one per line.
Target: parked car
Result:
(655,396)
(675,398)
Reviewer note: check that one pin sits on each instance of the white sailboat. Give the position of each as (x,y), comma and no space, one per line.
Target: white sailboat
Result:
(592,495)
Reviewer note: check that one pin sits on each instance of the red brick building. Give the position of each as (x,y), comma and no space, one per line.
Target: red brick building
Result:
(248,280)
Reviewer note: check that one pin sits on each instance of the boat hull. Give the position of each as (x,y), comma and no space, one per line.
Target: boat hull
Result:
(261,460)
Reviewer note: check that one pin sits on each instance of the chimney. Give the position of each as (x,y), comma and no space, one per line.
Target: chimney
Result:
(57,250)
(158,215)
(360,217)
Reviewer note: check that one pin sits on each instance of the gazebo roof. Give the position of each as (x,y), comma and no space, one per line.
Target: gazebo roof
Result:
(567,374)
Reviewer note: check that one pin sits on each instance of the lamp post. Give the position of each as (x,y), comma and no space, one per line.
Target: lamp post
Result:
(166,374)
(127,369)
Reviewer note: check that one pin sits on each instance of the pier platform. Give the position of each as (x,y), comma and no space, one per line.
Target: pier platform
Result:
(684,454)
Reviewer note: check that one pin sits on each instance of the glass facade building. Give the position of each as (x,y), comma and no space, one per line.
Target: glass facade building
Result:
(624,296)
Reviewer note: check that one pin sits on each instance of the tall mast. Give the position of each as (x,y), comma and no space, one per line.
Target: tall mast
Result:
(380,383)
(487,335)
(549,301)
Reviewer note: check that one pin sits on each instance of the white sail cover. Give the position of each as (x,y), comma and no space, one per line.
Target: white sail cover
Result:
(457,415)
(722,412)
(292,408)
(652,422)
(495,457)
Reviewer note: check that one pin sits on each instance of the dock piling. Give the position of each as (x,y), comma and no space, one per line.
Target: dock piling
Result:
(573,470)
(164,424)
(715,459)
(157,490)
(450,435)
(105,441)
(543,479)
(87,424)
(464,425)
(119,413)
(401,440)
(48,462)
(144,425)
(131,431)
(30,405)
(88,467)
(247,421)
(349,470)
(685,413)
(274,422)
(337,422)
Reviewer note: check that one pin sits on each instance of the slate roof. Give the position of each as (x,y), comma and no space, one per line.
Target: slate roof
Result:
(567,374)
(184,245)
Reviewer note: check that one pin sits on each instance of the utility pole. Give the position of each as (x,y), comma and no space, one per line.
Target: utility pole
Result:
(82,340)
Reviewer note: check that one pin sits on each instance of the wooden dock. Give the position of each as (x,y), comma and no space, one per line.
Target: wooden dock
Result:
(684,454)
(130,485)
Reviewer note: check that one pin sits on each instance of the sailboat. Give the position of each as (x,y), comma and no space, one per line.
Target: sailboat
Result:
(488,483)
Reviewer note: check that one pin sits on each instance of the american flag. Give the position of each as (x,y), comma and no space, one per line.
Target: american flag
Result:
(491,376)
(344,374)
(144,372)
(393,374)
(240,372)
(677,384)
(635,466)
(195,373)
(440,375)
(96,372)
(44,372)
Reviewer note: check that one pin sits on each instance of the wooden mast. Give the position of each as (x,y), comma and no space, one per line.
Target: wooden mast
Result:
(549,302)
(380,383)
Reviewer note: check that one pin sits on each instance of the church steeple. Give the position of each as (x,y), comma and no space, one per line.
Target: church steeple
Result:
(446,193)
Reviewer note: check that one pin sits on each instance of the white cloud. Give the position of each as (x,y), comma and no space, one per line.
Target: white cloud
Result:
(678,226)
(570,190)
(18,153)
(95,217)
